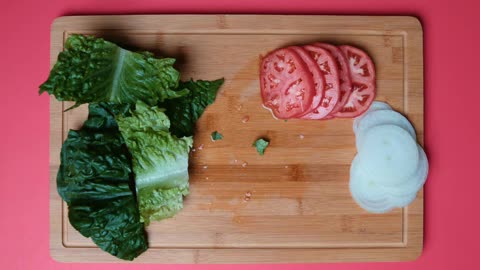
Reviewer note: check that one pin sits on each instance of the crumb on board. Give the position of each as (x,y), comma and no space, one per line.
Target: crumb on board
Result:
(245,119)
(244,164)
(301,136)
(247,196)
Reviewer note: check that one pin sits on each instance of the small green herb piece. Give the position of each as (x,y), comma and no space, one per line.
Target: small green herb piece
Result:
(261,144)
(216,136)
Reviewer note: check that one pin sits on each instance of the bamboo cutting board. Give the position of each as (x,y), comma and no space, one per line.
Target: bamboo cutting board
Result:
(290,205)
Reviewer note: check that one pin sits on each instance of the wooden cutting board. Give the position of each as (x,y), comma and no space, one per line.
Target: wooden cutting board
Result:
(299,208)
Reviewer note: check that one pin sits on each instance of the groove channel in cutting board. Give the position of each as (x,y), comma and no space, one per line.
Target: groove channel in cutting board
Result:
(299,190)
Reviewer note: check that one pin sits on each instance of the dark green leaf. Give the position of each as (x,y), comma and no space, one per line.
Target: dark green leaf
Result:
(95,179)
(185,111)
(112,224)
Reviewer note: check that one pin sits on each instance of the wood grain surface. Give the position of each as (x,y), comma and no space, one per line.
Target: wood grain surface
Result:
(299,208)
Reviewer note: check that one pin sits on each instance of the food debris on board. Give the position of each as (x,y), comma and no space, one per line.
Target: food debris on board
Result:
(215,136)
(248,196)
(261,144)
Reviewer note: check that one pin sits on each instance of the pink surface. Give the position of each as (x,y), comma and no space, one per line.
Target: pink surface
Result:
(451,66)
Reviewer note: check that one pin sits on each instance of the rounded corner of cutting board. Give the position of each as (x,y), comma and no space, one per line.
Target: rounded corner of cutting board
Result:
(59,23)
(414,253)
(58,255)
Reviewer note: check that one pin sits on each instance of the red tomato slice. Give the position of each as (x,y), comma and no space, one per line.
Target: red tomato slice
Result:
(344,73)
(317,74)
(328,66)
(362,72)
(286,84)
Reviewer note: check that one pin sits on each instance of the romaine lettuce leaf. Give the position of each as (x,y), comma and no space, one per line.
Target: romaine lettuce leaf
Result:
(94,70)
(96,180)
(185,111)
(160,161)
(114,225)
(160,203)
(144,118)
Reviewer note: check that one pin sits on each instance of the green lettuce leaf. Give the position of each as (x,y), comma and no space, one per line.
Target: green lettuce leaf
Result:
(94,70)
(114,225)
(160,203)
(184,112)
(144,118)
(95,179)
(215,136)
(261,145)
(160,161)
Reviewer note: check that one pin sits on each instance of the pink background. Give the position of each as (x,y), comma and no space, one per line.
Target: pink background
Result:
(452,98)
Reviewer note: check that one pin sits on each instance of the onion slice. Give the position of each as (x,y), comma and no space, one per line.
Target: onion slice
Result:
(389,153)
(383,117)
(376,106)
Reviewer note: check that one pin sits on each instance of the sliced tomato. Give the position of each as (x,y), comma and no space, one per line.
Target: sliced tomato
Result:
(362,72)
(317,74)
(344,73)
(328,66)
(286,83)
